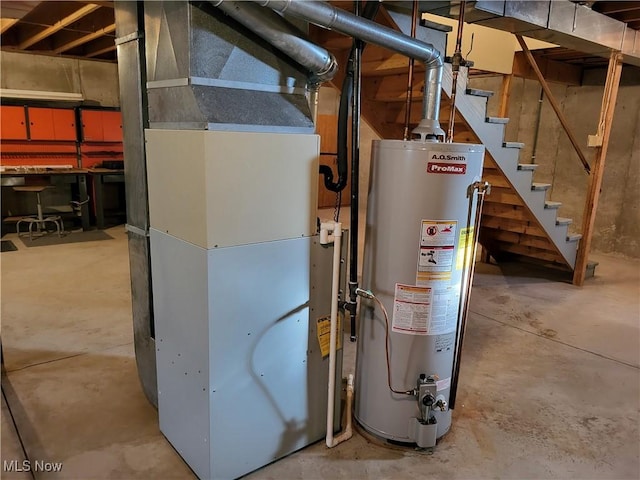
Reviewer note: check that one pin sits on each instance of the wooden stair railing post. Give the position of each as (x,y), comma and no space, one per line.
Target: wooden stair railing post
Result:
(554,103)
(609,98)
(505,95)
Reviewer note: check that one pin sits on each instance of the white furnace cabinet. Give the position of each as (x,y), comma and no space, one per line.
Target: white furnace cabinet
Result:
(239,284)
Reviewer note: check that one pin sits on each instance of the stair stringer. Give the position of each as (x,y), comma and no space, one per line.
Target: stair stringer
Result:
(473,110)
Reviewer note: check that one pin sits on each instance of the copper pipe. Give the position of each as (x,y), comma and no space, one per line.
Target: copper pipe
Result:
(455,68)
(407,113)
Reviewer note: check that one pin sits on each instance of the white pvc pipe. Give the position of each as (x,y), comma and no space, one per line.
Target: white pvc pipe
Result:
(336,236)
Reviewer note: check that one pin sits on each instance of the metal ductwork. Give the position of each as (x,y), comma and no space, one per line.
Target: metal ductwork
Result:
(207,72)
(562,22)
(327,16)
(284,36)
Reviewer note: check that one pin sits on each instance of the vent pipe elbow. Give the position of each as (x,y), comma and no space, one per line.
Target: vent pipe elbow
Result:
(327,16)
(284,36)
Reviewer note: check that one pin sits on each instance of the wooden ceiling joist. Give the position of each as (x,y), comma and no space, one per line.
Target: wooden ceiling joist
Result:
(59,25)
(7,23)
(612,7)
(85,39)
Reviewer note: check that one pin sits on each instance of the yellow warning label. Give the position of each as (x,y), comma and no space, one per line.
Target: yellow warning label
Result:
(324,333)
(426,278)
(465,248)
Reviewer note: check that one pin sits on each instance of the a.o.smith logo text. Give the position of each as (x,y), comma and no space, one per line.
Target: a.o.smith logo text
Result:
(451,158)
(448,168)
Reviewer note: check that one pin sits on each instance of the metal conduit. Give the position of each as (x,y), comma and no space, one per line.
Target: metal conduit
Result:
(283,36)
(330,17)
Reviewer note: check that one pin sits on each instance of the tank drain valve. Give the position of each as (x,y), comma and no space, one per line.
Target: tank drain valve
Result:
(440,403)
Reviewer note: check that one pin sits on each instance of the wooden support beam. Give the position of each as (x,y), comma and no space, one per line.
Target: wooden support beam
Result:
(7,23)
(552,70)
(505,96)
(59,25)
(554,103)
(609,98)
(85,39)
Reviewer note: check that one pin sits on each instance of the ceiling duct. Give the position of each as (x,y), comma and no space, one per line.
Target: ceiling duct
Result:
(561,22)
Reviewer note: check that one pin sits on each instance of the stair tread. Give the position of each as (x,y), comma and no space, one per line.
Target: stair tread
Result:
(540,186)
(476,92)
(563,221)
(435,26)
(513,145)
(500,120)
(550,204)
(527,166)
(573,237)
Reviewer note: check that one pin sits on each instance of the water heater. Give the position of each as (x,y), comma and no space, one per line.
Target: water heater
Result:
(423,206)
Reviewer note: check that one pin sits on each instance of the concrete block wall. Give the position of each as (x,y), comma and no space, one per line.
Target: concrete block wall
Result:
(96,81)
(617,228)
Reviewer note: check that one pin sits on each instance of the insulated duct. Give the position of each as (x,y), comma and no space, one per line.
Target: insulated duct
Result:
(327,16)
(283,36)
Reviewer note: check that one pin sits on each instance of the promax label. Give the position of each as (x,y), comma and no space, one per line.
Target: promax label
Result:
(447,168)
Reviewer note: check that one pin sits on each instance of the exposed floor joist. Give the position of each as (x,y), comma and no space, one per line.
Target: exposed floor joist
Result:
(59,25)
(85,39)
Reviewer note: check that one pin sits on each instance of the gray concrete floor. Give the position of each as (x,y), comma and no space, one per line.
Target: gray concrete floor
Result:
(549,387)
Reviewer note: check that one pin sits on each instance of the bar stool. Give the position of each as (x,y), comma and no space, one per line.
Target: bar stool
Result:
(38,220)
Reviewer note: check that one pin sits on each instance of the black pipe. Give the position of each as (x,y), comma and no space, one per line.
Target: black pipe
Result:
(370,10)
(342,155)
(355,180)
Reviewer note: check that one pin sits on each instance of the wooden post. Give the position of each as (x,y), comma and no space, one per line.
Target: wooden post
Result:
(554,103)
(593,194)
(505,95)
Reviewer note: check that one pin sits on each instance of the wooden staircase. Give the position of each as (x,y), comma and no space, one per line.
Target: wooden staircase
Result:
(518,222)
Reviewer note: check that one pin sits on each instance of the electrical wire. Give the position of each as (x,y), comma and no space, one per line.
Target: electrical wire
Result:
(386,347)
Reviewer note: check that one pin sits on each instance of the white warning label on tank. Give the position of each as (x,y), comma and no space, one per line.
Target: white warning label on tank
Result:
(445,343)
(438,233)
(424,310)
(435,259)
(443,384)
(444,310)
(436,250)
(411,310)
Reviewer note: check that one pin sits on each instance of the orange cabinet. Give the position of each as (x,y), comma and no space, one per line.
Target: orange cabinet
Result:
(92,126)
(112,126)
(52,124)
(13,124)
(64,124)
(101,126)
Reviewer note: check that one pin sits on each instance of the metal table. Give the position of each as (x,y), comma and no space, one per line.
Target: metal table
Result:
(20,176)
